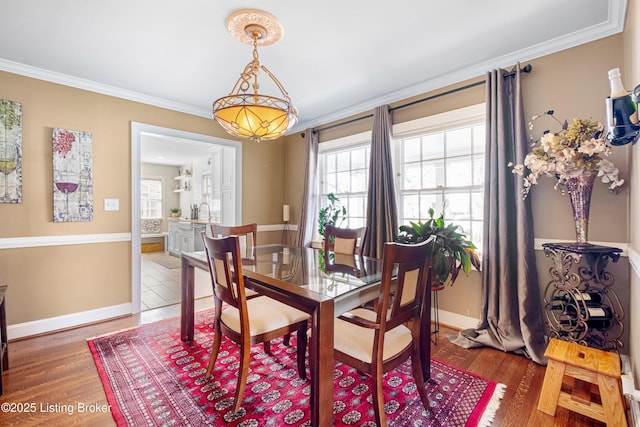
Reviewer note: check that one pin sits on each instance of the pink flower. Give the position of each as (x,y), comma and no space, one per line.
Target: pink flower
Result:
(63,142)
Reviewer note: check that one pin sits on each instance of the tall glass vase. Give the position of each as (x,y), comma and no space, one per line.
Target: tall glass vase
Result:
(579,189)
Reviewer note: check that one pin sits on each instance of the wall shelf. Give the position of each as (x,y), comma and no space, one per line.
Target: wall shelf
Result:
(183,183)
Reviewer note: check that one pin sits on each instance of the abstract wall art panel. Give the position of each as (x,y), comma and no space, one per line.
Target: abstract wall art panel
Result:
(72,176)
(10,151)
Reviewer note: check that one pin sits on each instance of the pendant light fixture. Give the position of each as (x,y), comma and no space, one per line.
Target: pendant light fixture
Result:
(245,112)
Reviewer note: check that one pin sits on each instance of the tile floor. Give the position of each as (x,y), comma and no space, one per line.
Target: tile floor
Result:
(161,285)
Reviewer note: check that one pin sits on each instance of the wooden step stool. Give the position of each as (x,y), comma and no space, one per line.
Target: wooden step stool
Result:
(587,366)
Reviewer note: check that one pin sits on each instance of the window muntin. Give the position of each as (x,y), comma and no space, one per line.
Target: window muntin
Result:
(344,171)
(444,168)
(151,198)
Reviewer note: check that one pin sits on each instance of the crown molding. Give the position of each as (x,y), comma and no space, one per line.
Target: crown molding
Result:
(91,86)
(613,25)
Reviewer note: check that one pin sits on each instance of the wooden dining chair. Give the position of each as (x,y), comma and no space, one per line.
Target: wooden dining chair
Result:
(375,342)
(246,321)
(248,234)
(343,240)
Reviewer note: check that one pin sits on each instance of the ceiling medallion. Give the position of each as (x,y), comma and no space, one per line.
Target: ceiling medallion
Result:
(251,114)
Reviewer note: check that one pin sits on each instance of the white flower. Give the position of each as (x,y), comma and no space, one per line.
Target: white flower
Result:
(546,140)
(579,147)
(591,147)
(606,166)
(517,169)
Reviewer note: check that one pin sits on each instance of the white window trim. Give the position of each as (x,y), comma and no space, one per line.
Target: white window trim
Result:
(470,115)
(345,142)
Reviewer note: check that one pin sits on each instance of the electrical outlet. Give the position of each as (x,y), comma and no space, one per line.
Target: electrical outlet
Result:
(111,204)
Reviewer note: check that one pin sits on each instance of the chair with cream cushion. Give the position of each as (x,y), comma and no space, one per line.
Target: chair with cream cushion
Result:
(343,240)
(248,235)
(246,321)
(375,342)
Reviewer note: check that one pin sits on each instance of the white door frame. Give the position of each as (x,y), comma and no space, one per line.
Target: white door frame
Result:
(137,129)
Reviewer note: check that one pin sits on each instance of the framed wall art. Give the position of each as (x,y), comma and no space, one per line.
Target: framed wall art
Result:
(10,151)
(72,176)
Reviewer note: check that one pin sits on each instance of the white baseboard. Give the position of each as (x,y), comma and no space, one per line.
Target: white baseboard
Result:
(455,320)
(51,324)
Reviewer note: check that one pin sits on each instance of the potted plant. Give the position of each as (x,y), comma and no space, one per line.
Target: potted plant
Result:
(451,251)
(175,212)
(332,214)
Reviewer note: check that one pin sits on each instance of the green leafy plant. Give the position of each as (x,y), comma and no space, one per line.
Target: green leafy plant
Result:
(451,251)
(332,214)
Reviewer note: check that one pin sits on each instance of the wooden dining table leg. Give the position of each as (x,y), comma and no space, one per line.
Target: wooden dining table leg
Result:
(187,302)
(321,364)
(425,336)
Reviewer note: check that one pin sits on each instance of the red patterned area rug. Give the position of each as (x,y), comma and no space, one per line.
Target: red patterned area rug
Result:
(152,378)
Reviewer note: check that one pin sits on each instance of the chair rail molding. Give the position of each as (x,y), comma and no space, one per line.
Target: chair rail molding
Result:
(77,239)
(634,260)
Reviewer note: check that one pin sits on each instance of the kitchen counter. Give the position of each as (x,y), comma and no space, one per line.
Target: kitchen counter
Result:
(192,221)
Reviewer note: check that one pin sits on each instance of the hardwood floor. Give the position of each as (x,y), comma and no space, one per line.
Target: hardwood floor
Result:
(56,372)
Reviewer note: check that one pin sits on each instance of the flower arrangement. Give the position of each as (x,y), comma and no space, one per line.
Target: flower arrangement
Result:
(578,148)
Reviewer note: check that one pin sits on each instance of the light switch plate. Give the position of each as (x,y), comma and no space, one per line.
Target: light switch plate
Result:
(111,204)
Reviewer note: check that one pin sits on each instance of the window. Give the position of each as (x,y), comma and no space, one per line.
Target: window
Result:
(438,162)
(151,198)
(344,171)
(208,196)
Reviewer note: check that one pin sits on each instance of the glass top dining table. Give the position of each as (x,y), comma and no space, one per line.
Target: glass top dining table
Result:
(324,285)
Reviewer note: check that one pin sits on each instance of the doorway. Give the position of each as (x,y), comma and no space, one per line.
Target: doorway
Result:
(140,131)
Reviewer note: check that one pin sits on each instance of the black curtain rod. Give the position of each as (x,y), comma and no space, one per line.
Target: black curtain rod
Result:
(526,69)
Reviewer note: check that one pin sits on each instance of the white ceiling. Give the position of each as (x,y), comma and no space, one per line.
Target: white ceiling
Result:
(336,57)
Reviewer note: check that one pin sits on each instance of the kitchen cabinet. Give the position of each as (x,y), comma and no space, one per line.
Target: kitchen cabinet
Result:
(185,236)
(198,243)
(180,237)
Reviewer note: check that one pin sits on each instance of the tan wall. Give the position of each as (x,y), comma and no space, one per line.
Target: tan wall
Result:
(573,83)
(631,78)
(56,280)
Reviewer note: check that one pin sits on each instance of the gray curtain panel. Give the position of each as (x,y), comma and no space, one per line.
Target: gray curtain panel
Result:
(382,213)
(511,317)
(308,202)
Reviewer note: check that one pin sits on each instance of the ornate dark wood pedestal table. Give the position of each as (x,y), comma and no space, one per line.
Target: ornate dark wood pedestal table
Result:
(580,303)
